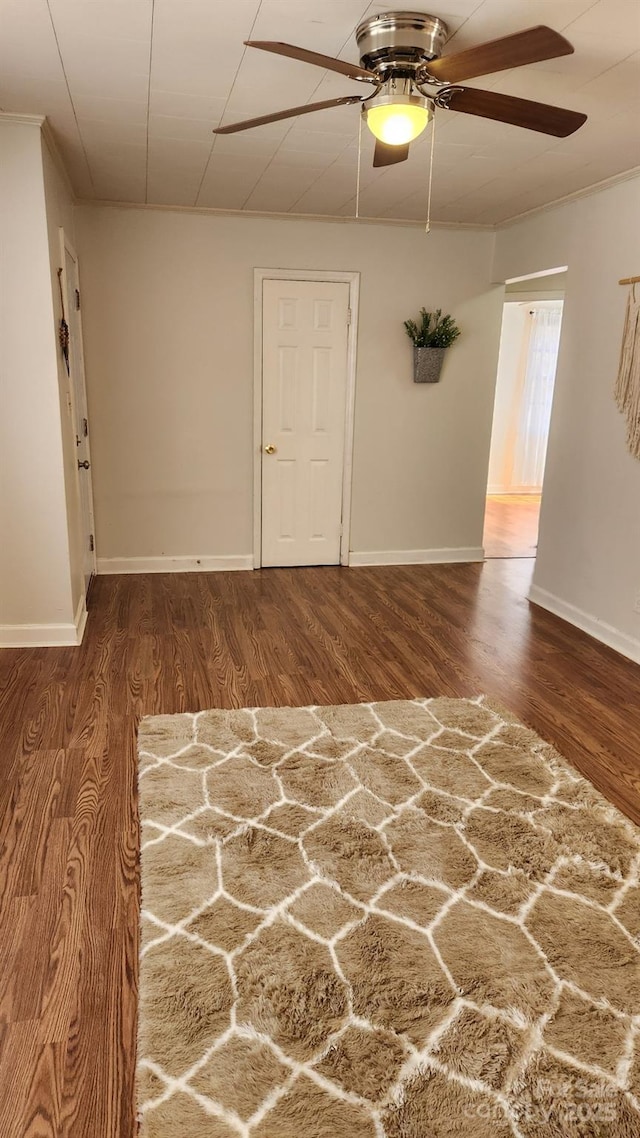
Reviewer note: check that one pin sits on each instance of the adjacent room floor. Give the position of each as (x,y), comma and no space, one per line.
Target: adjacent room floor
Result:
(169,643)
(511,525)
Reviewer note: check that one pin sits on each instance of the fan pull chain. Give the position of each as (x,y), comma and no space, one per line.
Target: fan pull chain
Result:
(427,227)
(359,158)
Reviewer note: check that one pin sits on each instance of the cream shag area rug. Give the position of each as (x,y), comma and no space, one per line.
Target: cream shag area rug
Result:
(395,920)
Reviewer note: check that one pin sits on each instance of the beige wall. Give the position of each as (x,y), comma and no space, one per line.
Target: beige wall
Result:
(588,566)
(36,604)
(168,320)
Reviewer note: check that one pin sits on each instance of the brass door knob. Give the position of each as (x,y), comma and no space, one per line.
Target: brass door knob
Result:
(270,449)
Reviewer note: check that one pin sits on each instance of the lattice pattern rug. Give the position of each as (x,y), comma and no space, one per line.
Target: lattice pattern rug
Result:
(395,920)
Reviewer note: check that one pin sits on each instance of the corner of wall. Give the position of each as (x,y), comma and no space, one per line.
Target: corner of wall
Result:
(68,635)
(36,580)
(589,546)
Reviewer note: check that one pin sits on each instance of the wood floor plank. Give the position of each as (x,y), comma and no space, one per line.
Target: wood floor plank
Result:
(37,804)
(168,643)
(511,525)
(40,925)
(15,919)
(30,1085)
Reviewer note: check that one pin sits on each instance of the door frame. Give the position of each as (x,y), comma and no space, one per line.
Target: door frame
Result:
(321,276)
(66,247)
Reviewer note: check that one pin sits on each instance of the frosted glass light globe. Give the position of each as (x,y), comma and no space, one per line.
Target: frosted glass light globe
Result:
(397,123)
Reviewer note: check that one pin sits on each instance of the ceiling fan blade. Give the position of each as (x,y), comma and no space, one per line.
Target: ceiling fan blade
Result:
(530,46)
(385,155)
(519,112)
(327,61)
(290,113)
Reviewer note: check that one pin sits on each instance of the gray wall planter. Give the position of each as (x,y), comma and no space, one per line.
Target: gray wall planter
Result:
(427,364)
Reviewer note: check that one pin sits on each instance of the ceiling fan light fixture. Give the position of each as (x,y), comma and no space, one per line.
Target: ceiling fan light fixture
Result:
(397,119)
(400,52)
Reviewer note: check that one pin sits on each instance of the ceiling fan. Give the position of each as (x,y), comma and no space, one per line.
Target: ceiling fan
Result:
(400,56)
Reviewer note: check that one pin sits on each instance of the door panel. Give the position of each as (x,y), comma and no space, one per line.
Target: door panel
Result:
(318,498)
(321,390)
(288,365)
(304,377)
(286,496)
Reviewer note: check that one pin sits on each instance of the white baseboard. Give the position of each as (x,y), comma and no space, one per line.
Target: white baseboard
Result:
(605,633)
(417,556)
(45,635)
(174,564)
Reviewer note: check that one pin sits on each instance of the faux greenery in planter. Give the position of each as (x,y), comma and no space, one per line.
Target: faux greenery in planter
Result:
(431,337)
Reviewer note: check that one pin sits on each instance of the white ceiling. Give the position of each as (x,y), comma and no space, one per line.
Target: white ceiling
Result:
(133,88)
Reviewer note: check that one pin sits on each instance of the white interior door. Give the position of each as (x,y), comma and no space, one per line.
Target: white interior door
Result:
(304,379)
(79,409)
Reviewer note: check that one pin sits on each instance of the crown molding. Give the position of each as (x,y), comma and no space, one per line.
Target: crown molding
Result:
(585,192)
(576,195)
(24,120)
(43,125)
(257,214)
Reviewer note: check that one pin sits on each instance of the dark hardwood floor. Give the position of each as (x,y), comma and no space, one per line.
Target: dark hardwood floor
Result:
(68,940)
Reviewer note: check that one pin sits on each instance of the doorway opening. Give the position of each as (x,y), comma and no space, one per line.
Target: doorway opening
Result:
(527,361)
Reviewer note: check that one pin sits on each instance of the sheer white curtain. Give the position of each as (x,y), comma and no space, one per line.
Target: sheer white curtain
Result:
(532,432)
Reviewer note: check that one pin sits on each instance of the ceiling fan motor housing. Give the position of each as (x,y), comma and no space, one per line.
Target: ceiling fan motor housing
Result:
(400,42)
